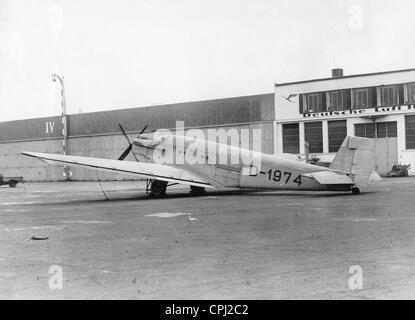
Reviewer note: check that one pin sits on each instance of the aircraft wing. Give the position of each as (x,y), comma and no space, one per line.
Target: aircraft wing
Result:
(143,170)
(330,177)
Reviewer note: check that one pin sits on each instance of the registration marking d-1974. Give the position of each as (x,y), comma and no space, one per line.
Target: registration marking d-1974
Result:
(281,176)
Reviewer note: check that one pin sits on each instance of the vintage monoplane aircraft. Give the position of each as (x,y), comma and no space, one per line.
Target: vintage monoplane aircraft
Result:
(350,171)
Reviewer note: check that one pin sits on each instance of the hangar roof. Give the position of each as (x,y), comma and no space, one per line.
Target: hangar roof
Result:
(228,111)
(343,77)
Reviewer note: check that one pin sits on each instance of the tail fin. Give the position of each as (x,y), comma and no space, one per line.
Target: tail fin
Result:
(356,156)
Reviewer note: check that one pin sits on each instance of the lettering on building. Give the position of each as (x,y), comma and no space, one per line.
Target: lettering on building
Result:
(358,111)
(49,126)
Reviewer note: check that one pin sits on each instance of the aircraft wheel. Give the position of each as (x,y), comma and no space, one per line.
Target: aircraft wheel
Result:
(158,189)
(197,191)
(403,173)
(355,190)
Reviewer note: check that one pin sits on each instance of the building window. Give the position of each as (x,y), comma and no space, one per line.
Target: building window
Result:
(387,129)
(365,130)
(389,95)
(291,138)
(313,132)
(315,102)
(410,132)
(335,100)
(337,133)
(364,97)
(360,98)
(383,130)
(410,89)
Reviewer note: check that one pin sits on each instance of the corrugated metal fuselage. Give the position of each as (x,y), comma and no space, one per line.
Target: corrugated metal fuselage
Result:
(243,168)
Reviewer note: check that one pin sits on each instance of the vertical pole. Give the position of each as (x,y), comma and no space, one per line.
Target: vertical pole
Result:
(66,171)
(64,127)
(325,128)
(301,137)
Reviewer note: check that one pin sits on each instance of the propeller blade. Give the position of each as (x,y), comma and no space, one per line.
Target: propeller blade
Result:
(135,157)
(126,152)
(142,131)
(130,145)
(124,133)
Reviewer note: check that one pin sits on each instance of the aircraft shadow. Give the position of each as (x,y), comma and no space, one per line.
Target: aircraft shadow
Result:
(113,197)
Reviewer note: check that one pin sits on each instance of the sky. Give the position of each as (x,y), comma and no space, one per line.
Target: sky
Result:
(117,54)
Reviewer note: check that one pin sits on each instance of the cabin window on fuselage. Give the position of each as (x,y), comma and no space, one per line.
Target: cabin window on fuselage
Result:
(313,132)
(337,133)
(291,138)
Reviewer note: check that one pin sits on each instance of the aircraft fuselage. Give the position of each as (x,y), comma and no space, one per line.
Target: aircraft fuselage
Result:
(243,168)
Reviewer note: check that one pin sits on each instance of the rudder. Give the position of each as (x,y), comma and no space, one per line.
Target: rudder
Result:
(356,156)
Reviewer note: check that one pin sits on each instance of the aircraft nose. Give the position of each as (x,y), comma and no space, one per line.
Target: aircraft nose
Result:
(146,139)
(142,142)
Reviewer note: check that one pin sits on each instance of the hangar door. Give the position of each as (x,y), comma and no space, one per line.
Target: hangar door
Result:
(385,134)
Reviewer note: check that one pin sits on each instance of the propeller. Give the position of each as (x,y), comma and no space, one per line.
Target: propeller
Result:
(130,145)
(142,131)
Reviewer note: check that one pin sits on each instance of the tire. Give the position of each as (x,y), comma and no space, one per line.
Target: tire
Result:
(197,191)
(12,183)
(158,189)
(355,190)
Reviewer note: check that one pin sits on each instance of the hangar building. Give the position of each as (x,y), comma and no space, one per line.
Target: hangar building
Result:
(321,112)
(97,134)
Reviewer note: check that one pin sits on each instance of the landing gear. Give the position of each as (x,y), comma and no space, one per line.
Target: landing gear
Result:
(355,190)
(197,191)
(12,184)
(158,189)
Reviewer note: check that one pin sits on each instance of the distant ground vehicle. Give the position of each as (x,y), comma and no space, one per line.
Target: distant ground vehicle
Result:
(11,181)
(400,170)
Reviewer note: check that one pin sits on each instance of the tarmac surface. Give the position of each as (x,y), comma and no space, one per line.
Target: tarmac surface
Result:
(225,245)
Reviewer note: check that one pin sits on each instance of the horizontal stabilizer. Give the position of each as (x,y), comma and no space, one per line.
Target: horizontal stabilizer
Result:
(330,177)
